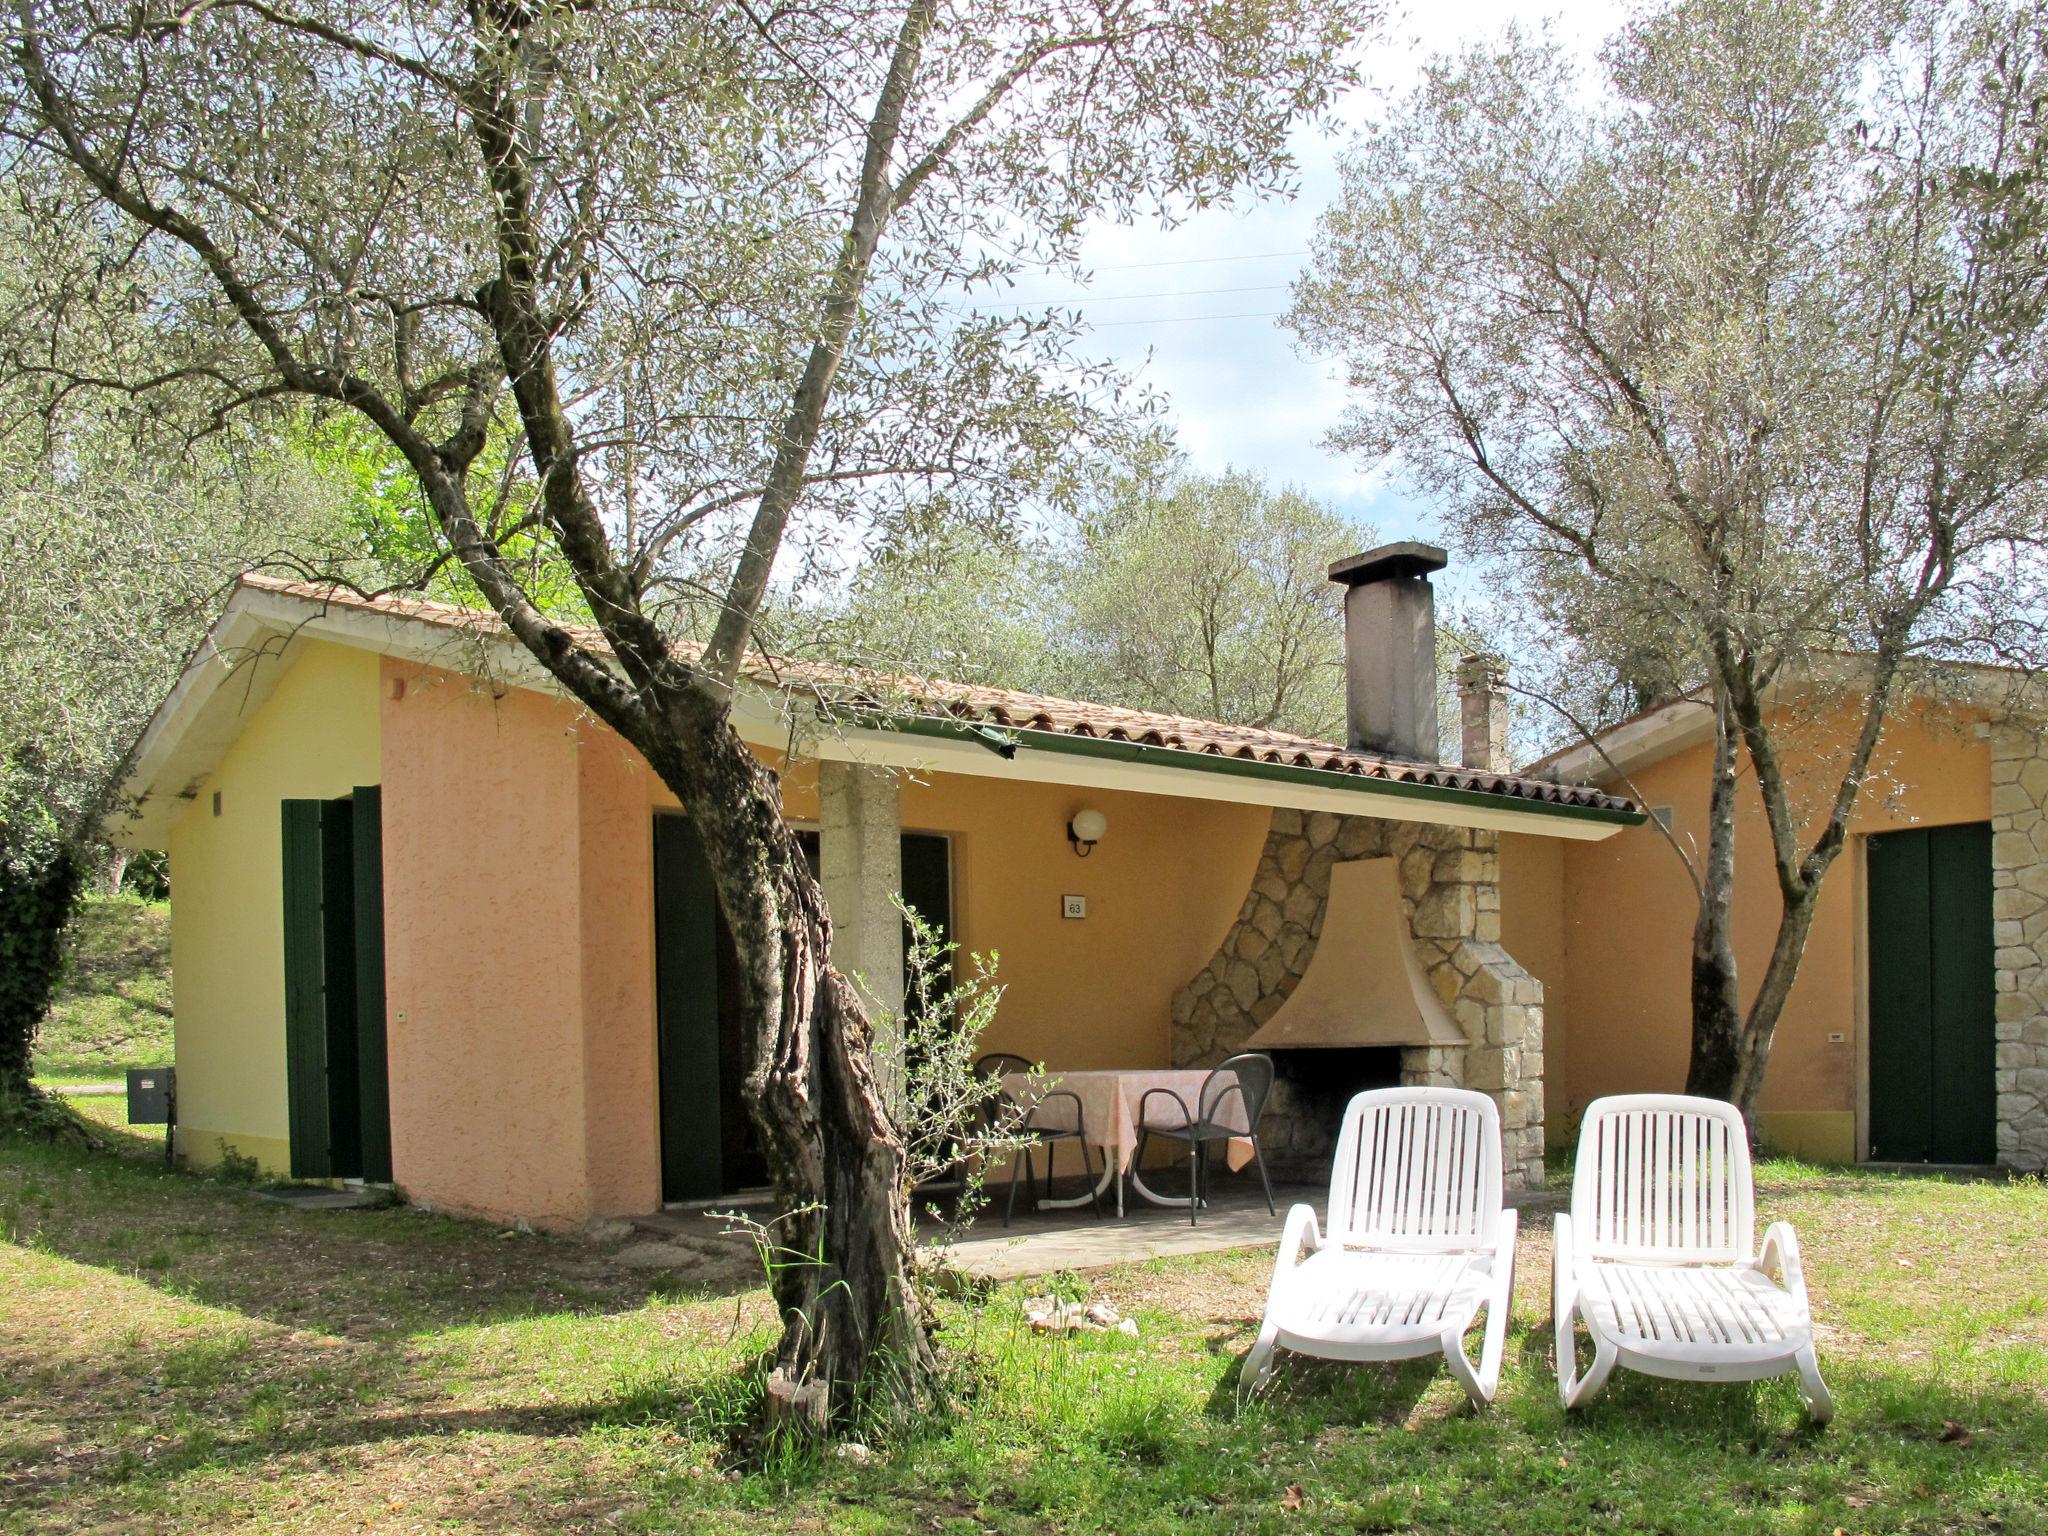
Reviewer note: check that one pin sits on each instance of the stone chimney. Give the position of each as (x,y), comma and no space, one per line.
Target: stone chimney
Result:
(1390,649)
(1483,712)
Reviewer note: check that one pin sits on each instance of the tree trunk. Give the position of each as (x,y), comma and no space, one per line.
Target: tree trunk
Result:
(855,1336)
(1717,1032)
(1731,1048)
(1795,924)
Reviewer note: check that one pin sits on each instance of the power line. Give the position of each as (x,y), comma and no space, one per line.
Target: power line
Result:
(1266,314)
(1196,261)
(1129,298)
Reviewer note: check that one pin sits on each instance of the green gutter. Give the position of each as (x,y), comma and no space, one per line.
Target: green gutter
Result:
(1007,739)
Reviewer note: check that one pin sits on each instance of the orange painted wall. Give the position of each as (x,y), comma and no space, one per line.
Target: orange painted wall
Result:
(621,1089)
(533,968)
(1532,926)
(484,969)
(1625,928)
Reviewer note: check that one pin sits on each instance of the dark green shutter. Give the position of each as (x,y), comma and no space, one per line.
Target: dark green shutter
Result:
(1932,996)
(336,1071)
(372,1053)
(337,911)
(305,1008)
(927,890)
(1963,969)
(686,1007)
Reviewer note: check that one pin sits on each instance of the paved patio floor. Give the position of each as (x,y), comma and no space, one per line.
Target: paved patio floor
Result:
(1040,1242)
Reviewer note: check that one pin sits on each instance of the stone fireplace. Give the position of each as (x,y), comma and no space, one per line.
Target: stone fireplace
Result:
(1422,974)
(1450,895)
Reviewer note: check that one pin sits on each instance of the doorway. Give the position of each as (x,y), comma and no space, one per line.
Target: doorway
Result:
(709,1147)
(1933,999)
(337,1080)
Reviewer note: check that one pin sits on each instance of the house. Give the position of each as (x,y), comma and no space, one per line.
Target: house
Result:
(433,924)
(1917,1030)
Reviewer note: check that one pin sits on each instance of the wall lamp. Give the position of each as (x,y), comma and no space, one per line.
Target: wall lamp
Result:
(1085,831)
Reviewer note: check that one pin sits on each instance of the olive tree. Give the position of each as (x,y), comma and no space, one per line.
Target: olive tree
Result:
(113,558)
(710,263)
(1209,595)
(1162,588)
(1732,359)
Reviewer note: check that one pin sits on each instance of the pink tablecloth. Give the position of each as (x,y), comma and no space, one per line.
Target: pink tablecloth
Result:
(1110,1104)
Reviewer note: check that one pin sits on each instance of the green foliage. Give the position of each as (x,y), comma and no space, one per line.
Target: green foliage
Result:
(237,1167)
(956,1120)
(41,877)
(1209,595)
(114,1008)
(1165,589)
(387,524)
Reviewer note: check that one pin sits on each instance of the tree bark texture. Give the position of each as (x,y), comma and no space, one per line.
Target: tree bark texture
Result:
(841,1266)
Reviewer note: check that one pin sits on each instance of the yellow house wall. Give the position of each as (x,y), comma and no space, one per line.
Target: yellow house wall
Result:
(316,737)
(1626,918)
(1162,889)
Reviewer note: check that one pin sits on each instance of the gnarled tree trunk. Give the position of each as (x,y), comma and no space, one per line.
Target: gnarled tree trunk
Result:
(853,1324)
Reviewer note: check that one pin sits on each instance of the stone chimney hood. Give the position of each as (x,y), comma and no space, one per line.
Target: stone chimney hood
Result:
(1390,649)
(1364,985)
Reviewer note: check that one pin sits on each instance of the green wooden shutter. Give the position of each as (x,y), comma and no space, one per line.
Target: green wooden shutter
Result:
(305,1009)
(927,889)
(1932,996)
(372,1054)
(338,937)
(686,1009)
(1962,1085)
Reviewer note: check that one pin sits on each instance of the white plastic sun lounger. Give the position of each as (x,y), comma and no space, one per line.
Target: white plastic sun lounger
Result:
(1418,1243)
(1656,1259)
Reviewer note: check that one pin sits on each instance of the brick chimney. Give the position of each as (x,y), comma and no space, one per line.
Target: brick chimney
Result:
(1483,712)
(1390,649)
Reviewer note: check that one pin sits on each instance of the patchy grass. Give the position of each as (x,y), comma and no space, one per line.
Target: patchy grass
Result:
(115,1009)
(175,1354)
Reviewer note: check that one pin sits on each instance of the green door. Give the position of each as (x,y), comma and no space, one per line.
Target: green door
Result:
(1932,996)
(686,1005)
(336,1082)
(708,1144)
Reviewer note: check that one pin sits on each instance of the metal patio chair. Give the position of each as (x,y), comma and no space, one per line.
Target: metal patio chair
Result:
(1238,1087)
(1039,1130)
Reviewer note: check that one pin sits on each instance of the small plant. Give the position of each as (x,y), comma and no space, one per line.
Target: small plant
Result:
(236,1167)
(956,1120)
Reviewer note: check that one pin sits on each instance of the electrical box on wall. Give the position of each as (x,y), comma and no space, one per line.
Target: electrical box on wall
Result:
(1073,906)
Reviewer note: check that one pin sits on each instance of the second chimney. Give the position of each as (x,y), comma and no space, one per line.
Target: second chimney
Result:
(1390,649)
(1483,712)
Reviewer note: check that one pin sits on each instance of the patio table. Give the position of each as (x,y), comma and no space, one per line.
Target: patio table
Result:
(1109,1112)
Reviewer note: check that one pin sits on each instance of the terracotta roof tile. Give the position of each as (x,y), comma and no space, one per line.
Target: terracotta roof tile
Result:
(856,689)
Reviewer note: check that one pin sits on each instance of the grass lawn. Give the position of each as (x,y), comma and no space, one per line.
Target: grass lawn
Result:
(115,1009)
(175,1355)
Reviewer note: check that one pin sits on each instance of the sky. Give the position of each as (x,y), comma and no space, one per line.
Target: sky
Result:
(1193,311)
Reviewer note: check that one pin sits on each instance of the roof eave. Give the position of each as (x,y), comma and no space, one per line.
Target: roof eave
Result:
(259,628)
(973,747)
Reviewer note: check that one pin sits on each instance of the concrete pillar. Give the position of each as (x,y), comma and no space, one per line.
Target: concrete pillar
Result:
(1483,713)
(860,849)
